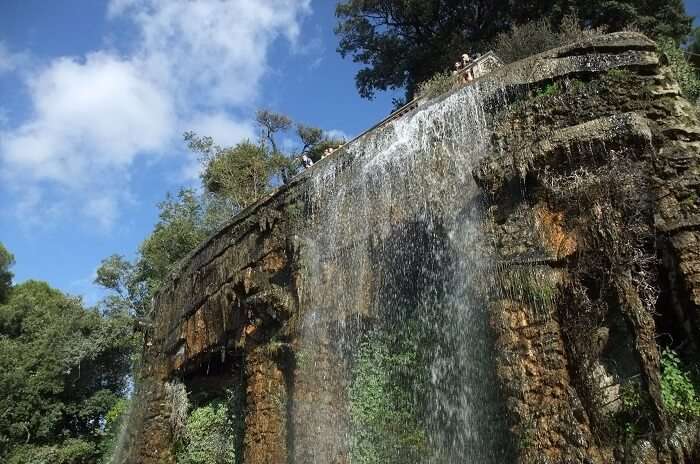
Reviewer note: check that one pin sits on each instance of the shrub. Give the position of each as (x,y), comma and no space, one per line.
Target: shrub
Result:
(548,90)
(682,70)
(437,85)
(210,435)
(115,415)
(384,420)
(538,36)
(71,451)
(678,392)
(619,74)
(112,426)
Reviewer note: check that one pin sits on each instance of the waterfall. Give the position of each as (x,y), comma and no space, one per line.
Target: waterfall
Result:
(394,358)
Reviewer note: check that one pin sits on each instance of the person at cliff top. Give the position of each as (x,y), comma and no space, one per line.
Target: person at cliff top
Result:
(458,68)
(306,161)
(466,60)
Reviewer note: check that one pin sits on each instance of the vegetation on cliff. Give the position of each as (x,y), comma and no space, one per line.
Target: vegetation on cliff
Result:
(212,434)
(683,70)
(386,427)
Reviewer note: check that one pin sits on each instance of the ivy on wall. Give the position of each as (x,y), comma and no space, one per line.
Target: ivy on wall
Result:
(386,426)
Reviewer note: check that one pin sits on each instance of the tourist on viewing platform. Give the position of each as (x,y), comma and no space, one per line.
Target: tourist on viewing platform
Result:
(306,161)
(466,61)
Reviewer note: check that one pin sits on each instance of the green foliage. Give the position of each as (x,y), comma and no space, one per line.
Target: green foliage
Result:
(213,433)
(385,424)
(683,71)
(119,275)
(548,90)
(680,395)
(71,451)
(180,229)
(523,40)
(240,174)
(652,17)
(406,42)
(634,409)
(183,224)
(6,262)
(62,368)
(272,123)
(439,84)
(113,423)
(630,396)
(402,43)
(115,415)
(619,74)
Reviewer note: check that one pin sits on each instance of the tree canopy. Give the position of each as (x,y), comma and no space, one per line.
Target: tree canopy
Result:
(182,225)
(62,368)
(232,179)
(405,42)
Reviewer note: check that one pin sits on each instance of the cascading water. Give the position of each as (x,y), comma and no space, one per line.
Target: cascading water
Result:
(394,360)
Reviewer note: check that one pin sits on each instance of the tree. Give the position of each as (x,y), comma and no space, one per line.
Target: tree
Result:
(270,124)
(656,18)
(6,262)
(232,179)
(181,227)
(405,42)
(241,173)
(314,142)
(62,368)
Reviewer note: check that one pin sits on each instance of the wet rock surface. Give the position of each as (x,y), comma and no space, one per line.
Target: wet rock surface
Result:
(613,159)
(592,205)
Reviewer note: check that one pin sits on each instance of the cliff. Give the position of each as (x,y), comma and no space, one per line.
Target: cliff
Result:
(525,247)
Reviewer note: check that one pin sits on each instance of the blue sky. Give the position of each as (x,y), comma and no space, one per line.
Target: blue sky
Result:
(95,95)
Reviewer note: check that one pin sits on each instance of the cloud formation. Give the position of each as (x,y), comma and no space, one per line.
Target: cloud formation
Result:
(213,48)
(93,116)
(87,117)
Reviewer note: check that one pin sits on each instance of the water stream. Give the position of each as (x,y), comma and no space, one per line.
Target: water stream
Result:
(395,356)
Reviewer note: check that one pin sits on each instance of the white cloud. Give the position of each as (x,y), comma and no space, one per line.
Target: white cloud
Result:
(88,117)
(214,48)
(94,116)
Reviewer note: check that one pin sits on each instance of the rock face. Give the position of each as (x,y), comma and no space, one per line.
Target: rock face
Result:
(590,202)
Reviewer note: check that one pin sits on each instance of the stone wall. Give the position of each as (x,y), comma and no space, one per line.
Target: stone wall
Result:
(595,183)
(594,145)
